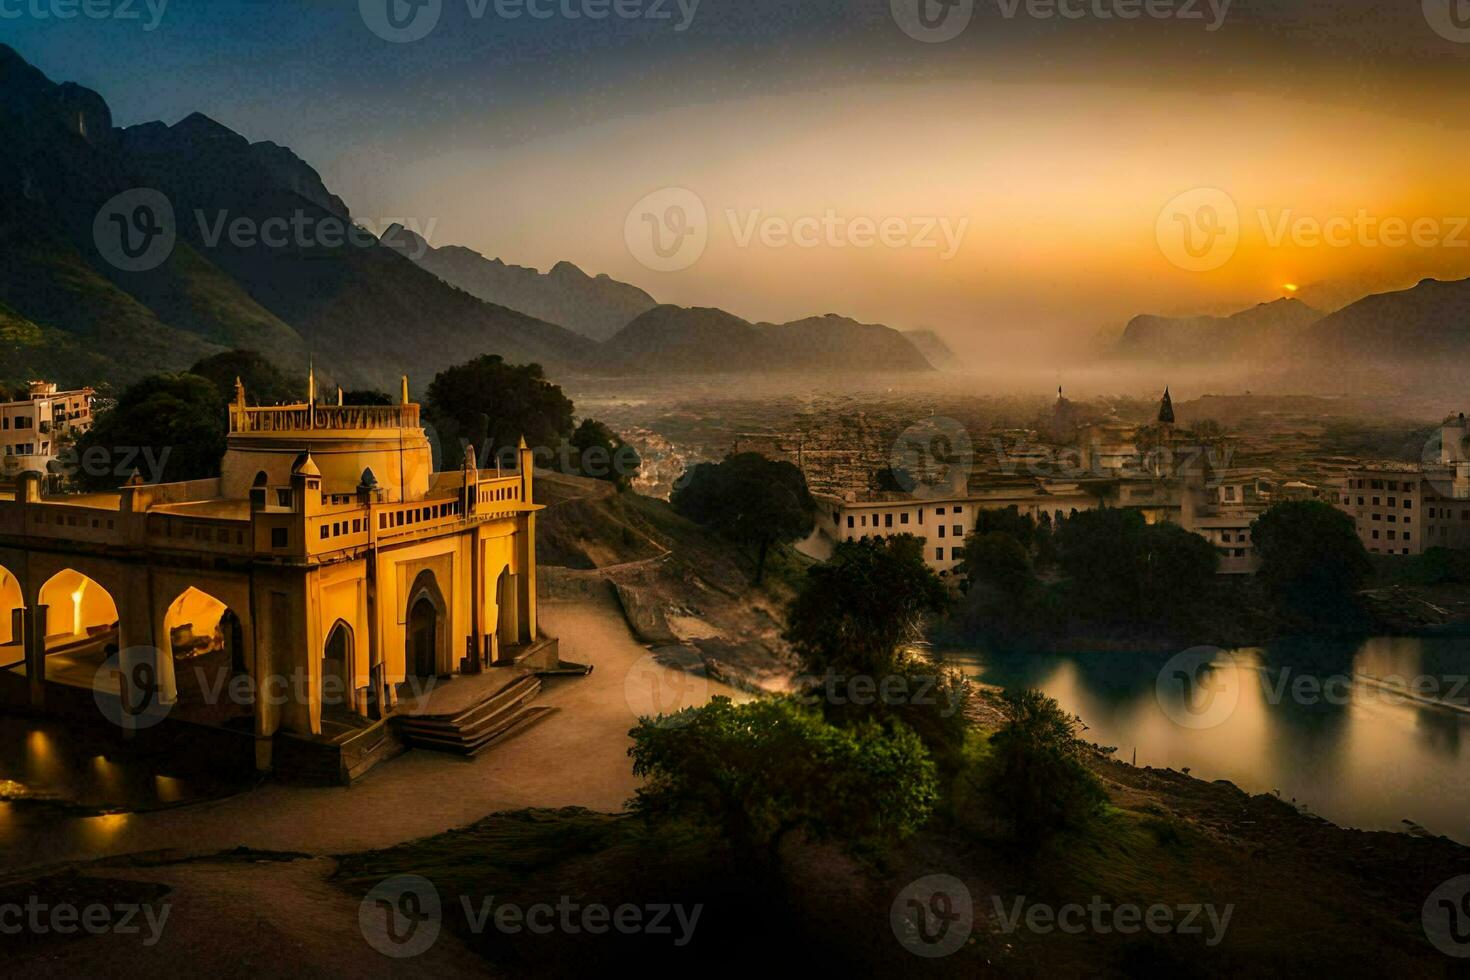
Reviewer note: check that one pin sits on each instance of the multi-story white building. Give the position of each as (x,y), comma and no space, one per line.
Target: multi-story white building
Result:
(30,427)
(942,521)
(1405,508)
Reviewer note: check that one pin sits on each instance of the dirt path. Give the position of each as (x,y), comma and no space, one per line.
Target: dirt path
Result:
(577,757)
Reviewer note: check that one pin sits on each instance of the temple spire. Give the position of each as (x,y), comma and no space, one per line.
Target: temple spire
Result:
(1166,409)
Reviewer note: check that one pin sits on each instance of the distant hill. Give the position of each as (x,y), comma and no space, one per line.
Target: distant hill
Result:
(366,312)
(1428,322)
(709,341)
(1264,331)
(934,349)
(594,306)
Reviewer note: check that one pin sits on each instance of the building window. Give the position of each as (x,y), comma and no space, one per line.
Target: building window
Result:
(939,511)
(959,530)
(278,537)
(1408,503)
(941,530)
(851,520)
(887,520)
(903,518)
(325,529)
(939,554)
(958,509)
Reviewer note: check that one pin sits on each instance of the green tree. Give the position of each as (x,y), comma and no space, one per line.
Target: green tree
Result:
(265,384)
(1120,567)
(760,771)
(1038,776)
(492,405)
(603,455)
(1312,561)
(366,396)
(1010,521)
(997,560)
(749,499)
(174,423)
(862,609)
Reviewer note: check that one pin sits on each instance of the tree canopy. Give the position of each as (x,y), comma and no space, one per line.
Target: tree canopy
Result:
(492,405)
(1312,560)
(603,455)
(749,499)
(859,610)
(1039,778)
(761,770)
(1121,567)
(265,384)
(169,427)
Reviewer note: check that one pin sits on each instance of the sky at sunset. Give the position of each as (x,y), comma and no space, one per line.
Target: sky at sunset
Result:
(1039,154)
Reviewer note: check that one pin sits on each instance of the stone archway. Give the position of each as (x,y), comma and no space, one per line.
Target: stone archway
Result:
(206,648)
(12,600)
(426,629)
(82,627)
(337,654)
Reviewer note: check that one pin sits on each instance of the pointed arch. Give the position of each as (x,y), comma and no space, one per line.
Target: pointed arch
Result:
(426,632)
(337,664)
(12,597)
(81,611)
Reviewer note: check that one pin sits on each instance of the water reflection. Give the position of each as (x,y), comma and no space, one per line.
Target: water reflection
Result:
(1348,730)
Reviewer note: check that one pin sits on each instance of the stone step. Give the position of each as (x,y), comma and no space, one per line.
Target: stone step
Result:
(473,743)
(515,693)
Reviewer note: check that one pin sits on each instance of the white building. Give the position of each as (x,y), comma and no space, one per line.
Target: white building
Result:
(1406,509)
(29,428)
(942,521)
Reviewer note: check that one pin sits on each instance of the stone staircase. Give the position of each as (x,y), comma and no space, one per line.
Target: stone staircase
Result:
(473,729)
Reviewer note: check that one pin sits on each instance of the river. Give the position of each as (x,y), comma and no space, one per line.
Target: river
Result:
(1322,723)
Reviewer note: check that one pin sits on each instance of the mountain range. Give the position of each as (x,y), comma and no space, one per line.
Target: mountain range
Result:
(1428,323)
(262,254)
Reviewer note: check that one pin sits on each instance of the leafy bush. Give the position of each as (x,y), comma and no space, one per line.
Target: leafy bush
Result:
(1037,777)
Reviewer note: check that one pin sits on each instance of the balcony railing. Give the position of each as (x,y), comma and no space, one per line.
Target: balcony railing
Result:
(306,418)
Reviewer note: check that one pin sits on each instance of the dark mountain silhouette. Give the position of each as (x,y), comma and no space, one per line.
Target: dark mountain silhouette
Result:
(1264,331)
(364,310)
(594,306)
(711,341)
(1427,322)
(934,349)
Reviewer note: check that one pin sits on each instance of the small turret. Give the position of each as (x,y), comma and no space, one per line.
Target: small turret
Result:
(1166,409)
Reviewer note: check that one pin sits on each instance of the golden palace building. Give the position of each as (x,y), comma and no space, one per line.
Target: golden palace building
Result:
(327,582)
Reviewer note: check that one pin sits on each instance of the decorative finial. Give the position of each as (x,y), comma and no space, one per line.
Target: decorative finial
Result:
(405,390)
(311,381)
(239,392)
(340,402)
